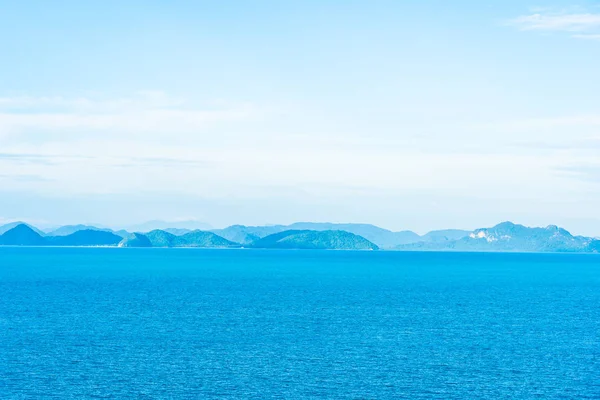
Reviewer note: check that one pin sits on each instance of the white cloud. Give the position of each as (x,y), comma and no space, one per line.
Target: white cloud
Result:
(152,143)
(580,25)
(585,121)
(558,22)
(587,37)
(153,120)
(141,100)
(49,118)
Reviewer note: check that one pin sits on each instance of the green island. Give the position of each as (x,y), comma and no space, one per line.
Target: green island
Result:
(505,236)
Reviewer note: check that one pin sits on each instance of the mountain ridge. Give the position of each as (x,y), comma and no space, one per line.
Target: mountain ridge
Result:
(244,235)
(505,236)
(383,238)
(508,236)
(310,239)
(10,225)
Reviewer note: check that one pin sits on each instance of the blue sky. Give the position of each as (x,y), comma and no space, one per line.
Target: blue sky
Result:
(409,115)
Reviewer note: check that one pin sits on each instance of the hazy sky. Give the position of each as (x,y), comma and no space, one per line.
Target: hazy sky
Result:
(407,114)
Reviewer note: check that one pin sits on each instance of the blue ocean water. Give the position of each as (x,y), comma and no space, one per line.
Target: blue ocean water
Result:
(186,323)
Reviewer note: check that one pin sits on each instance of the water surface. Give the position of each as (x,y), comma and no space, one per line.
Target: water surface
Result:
(188,323)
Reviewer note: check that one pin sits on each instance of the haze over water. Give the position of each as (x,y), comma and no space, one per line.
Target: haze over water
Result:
(188,323)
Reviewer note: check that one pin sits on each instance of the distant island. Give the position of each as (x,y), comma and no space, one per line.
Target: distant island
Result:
(505,236)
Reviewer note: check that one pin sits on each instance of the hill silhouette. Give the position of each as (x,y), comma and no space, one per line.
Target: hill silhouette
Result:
(307,239)
(87,237)
(22,235)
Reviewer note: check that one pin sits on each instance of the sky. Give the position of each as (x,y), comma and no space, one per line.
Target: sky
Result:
(408,115)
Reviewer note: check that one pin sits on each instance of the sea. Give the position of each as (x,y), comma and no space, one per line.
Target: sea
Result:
(125,323)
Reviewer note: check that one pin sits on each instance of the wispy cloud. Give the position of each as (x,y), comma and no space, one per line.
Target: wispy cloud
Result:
(41,159)
(581,25)
(573,121)
(20,158)
(558,22)
(587,37)
(154,143)
(23,178)
(146,112)
(94,104)
(162,162)
(590,144)
(585,172)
